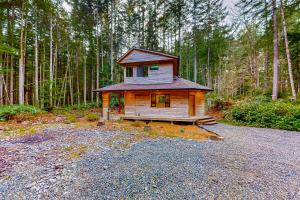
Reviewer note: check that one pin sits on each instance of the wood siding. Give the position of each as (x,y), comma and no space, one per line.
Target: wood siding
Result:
(139,104)
(105,105)
(199,102)
(139,56)
(163,75)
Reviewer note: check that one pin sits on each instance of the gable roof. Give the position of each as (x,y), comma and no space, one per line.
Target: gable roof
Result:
(137,55)
(178,84)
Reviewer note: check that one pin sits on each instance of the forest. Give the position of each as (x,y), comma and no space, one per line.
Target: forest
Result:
(54,53)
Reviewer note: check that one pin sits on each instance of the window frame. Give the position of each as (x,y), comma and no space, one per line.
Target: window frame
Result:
(127,68)
(155,98)
(145,71)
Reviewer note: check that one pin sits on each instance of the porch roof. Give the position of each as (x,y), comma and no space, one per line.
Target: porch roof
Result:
(178,84)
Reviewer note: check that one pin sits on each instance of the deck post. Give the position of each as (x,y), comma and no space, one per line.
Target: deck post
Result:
(119,103)
(105,105)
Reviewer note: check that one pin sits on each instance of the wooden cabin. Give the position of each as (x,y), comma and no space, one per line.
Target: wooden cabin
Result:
(153,90)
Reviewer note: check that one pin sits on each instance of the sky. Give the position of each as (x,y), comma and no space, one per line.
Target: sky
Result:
(230,6)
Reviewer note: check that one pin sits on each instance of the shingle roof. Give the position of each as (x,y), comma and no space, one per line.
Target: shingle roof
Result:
(178,84)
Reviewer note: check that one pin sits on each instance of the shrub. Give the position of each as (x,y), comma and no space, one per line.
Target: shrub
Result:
(92,117)
(70,117)
(7,112)
(282,115)
(76,107)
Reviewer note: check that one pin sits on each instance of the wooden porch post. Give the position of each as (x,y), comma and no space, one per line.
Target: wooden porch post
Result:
(119,103)
(105,105)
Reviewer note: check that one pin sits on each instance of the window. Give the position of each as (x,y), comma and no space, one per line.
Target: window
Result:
(142,71)
(129,71)
(160,101)
(154,67)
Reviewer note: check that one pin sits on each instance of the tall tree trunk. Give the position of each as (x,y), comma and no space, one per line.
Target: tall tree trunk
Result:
(77,77)
(98,62)
(92,86)
(51,64)
(70,79)
(1,81)
(112,43)
(195,42)
(36,69)
(208,83)
(275,49)
(22,57)
(267,49)
(288,56)
(195,62)
(11,85)
(84,80)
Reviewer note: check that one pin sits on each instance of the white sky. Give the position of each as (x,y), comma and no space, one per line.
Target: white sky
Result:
(230,7)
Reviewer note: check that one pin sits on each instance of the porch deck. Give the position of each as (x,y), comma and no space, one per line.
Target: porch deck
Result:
(194,120)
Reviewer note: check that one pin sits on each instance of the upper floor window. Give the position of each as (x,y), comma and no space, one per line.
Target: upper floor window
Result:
(142,71)
(154,67)
(129,71)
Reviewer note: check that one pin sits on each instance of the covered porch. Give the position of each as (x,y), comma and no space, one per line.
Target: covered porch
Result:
(207,120)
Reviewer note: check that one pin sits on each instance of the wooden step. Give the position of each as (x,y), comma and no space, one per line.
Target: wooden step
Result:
(206,121)
(210,123)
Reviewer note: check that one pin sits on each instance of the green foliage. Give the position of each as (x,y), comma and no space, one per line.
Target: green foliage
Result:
(6,112)
(7,49)
(92,117)
(217,101)
(70,117)
(75,107)
(282,115)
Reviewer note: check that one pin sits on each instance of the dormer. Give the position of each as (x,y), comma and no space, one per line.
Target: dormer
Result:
(148,67)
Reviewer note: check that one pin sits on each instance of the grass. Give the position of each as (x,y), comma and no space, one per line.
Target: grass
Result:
(162,129)
(76,151)
(92,117)
(190,132)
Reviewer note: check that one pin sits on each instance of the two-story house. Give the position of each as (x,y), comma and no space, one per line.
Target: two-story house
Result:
(153,90)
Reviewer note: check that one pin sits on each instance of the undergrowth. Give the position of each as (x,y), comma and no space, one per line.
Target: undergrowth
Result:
(7,112)
(266,114)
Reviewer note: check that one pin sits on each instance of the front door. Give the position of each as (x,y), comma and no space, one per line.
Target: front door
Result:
(192,105)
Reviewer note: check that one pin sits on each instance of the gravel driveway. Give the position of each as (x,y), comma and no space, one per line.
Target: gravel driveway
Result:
(250,163)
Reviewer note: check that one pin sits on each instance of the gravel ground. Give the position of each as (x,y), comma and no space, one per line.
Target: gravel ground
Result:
(250,163)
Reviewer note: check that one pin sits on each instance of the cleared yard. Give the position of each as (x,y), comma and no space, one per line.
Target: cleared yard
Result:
(119,161)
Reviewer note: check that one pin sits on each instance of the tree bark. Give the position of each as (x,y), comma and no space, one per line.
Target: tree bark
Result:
(77,77)
(22,57)
(98,61)
(195,42)
(287,50)
(11,85)
(1,81)
(51,64)
(36,69)
(84,80)
(112,43)
(275,49)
